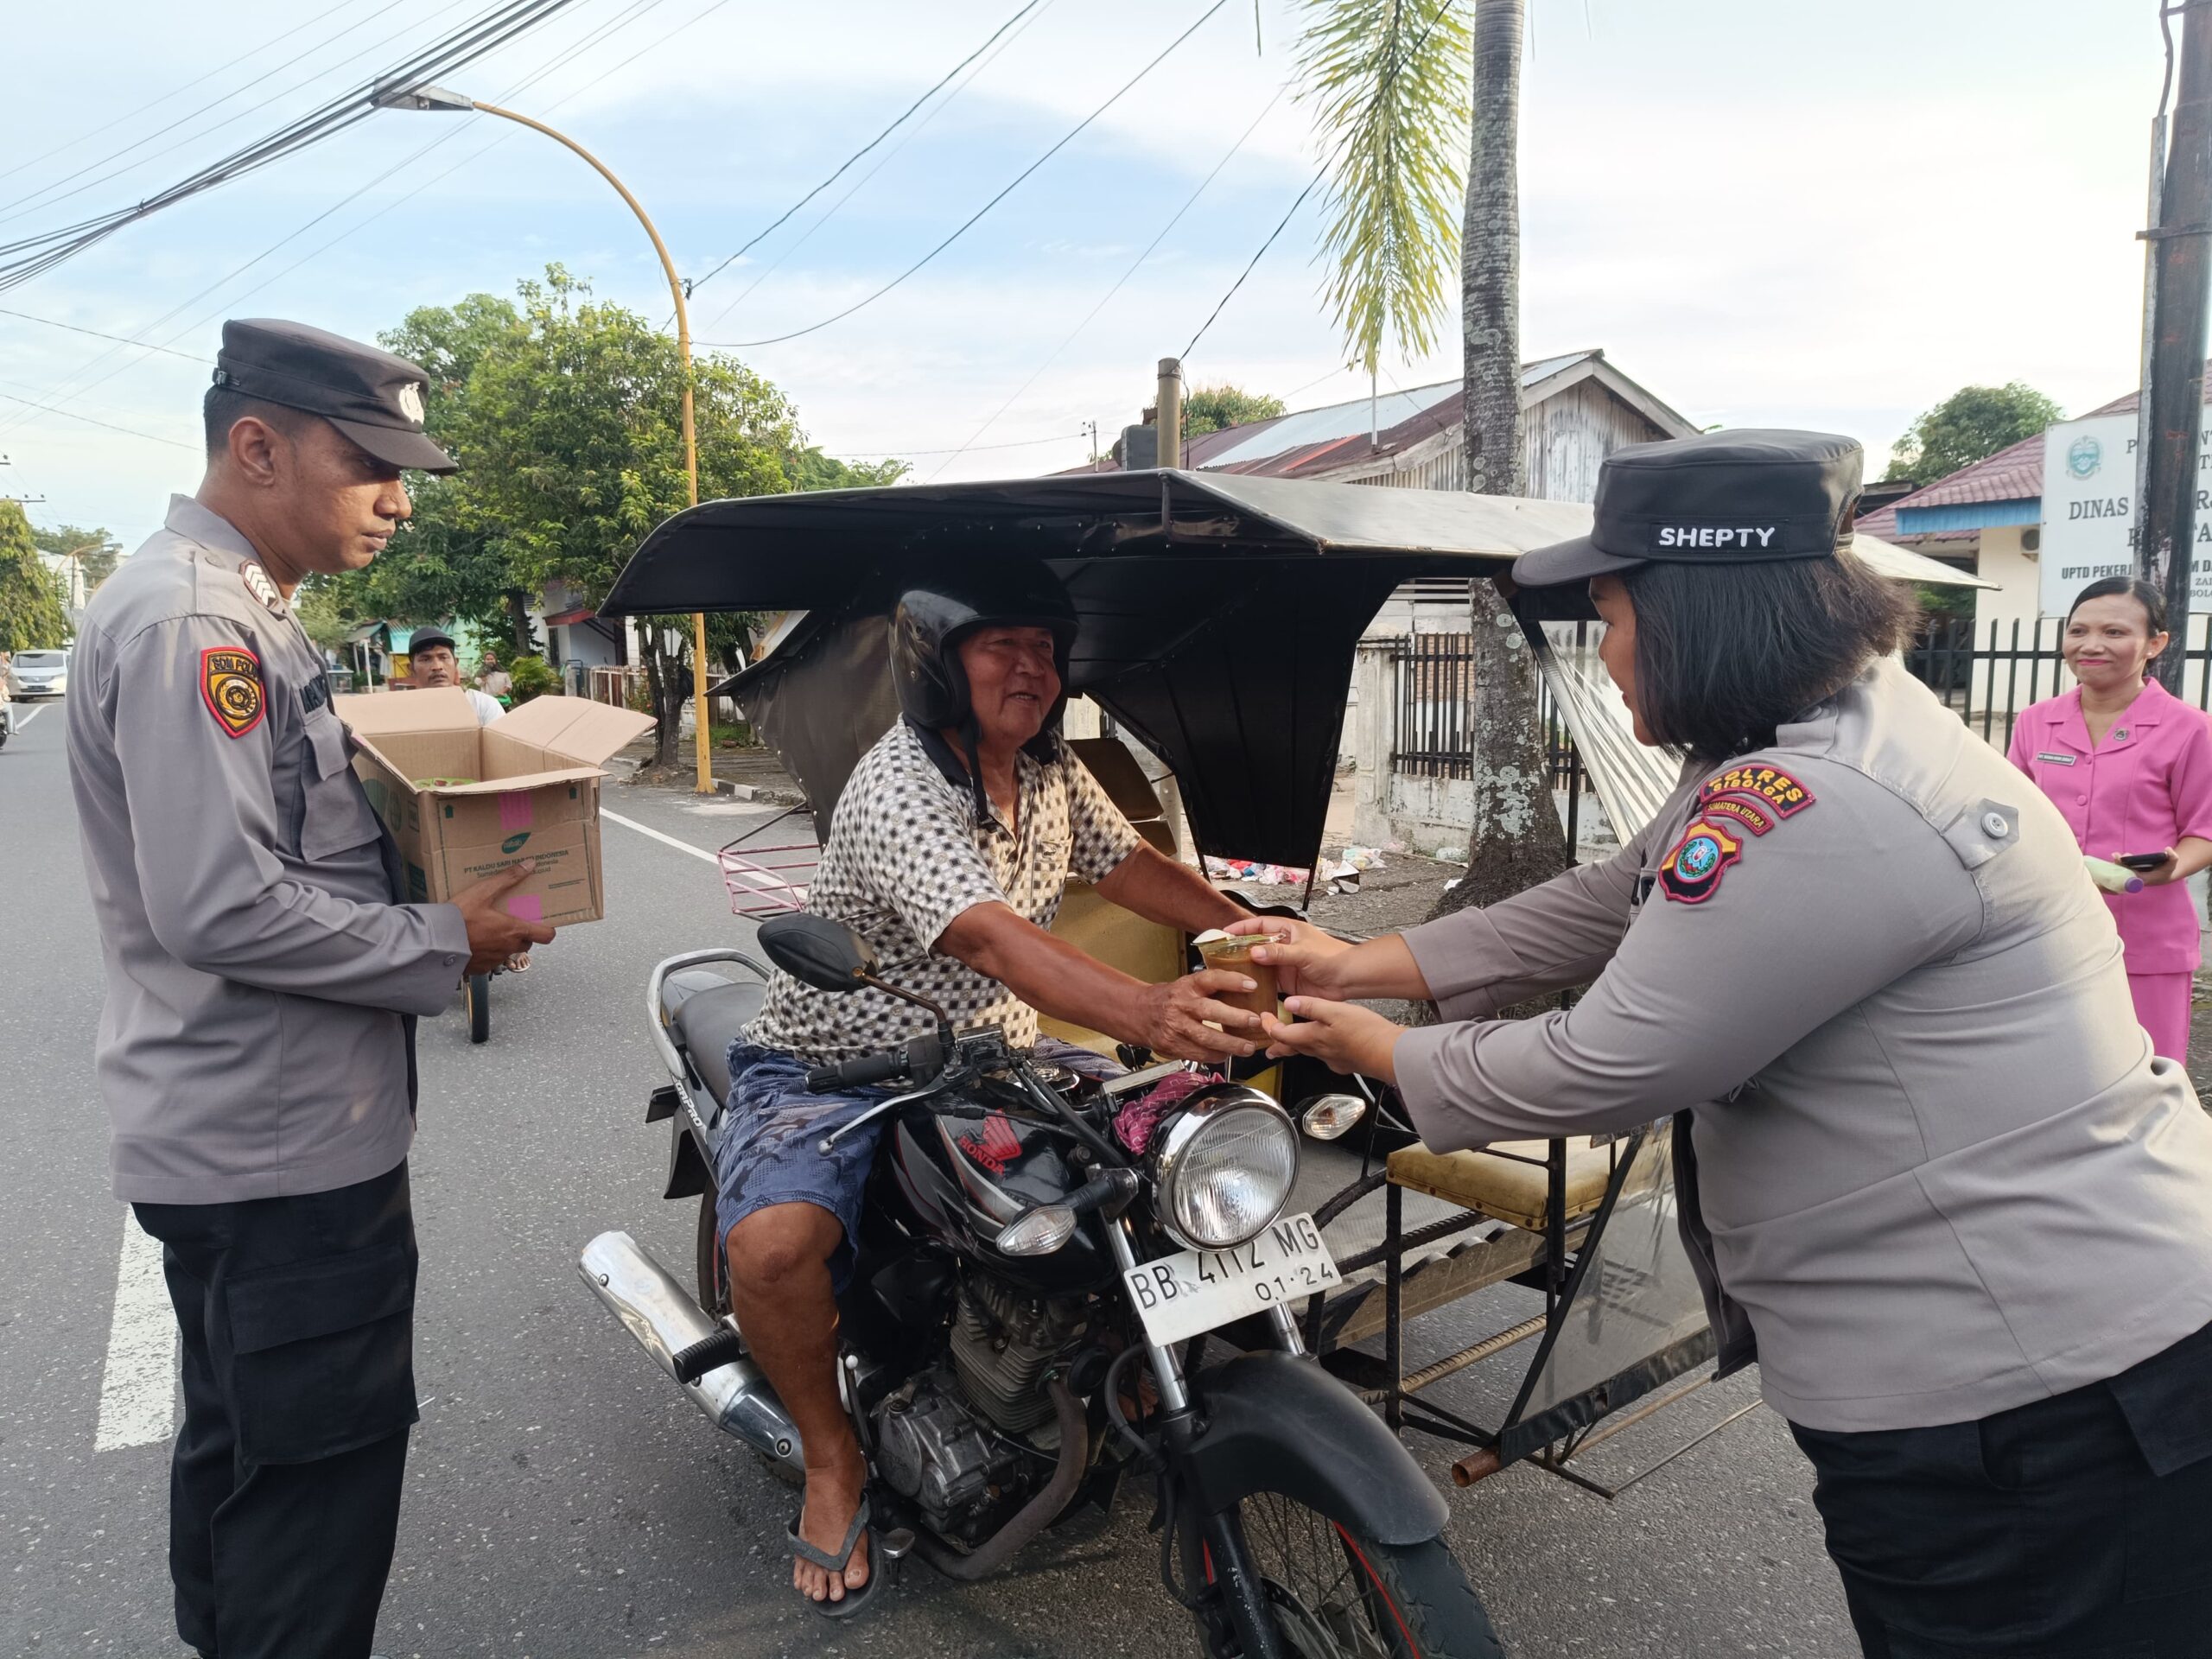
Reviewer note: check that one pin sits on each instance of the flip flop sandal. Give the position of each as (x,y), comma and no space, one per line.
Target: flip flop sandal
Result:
(855,1601)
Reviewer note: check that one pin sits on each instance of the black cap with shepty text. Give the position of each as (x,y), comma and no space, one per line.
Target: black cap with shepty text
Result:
(1721,498)
(374,397)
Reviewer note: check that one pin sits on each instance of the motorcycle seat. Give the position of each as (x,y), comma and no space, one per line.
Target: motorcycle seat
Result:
(708,1022)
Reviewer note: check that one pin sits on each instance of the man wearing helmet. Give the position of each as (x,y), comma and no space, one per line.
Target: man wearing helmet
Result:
(948,851)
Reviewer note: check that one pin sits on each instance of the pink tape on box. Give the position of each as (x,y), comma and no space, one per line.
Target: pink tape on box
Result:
(515,810)
(527,907)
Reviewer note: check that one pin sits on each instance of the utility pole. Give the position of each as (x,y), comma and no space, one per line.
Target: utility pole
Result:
(20,500)
(1171,412)
(2171,416)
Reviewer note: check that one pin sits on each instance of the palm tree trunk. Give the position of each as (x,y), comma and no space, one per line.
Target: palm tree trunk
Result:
(1514,840)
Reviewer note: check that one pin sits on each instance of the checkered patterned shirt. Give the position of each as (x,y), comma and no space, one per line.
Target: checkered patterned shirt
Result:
(907,853)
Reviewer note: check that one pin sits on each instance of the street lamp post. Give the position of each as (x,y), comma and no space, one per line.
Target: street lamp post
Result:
(438,98)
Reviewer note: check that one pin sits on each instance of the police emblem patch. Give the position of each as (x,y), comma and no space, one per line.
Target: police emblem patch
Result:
(259,584)
(229,684)
(1692,872)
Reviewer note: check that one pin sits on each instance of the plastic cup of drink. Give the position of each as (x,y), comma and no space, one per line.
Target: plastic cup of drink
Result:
(1234,954)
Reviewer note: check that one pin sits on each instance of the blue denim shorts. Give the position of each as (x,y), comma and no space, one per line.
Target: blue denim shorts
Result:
(768,1144)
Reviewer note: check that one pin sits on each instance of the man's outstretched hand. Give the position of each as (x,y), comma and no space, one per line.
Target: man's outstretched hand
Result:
(1180,1016)
(493,935)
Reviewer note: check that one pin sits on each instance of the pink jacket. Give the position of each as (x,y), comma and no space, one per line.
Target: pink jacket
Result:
(2148,785)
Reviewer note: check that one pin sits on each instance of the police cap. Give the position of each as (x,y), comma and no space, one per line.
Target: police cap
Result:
(374,397)
(1721,498)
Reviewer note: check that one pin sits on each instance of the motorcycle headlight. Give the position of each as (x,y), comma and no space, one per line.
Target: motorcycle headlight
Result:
(1225,1168)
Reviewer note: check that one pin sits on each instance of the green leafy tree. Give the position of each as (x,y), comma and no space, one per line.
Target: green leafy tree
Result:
(443,564)
(812,470)
(1400,83)
(569,431)
(1387,82)
(1972,425)
(1214,409)
(95,550)
(32,615)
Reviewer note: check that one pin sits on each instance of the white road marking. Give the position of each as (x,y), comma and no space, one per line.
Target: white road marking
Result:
(642,829)
(21,720)
(138,1389)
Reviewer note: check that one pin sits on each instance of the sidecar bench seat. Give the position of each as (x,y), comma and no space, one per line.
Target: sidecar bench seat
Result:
(1505,1187)
(708,1021)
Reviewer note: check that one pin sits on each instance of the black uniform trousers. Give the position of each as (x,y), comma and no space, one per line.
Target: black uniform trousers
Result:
(2078,1527)
(298,1316)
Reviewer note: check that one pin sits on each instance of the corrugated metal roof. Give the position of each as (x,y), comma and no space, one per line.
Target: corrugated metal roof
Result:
(1239,447)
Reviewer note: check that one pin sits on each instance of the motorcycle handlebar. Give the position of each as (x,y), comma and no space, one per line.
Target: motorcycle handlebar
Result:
(850,1074)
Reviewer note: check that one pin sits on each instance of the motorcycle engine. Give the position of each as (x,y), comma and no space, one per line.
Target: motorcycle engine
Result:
(929,1449)
(1004,1339)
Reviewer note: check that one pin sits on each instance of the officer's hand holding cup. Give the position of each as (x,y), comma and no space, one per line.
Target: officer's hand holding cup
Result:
(493,934)
(1306,960)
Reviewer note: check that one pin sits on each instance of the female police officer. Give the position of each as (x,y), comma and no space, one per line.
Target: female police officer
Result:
(1931,1174)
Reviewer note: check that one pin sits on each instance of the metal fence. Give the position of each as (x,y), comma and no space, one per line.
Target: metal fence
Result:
(1989,671)
(1431,735)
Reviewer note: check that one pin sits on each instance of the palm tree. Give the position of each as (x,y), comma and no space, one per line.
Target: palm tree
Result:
(1385,75)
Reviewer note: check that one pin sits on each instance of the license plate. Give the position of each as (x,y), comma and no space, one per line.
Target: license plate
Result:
(1178,1296)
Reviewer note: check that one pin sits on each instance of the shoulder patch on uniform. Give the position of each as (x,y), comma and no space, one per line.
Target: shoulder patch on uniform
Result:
(1771,785)
(229,684)
(261,586)
(1691,874)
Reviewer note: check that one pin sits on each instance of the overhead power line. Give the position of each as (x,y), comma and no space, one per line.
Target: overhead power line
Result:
(1122,282)
(967,223)
(177,91)
(1435,17)
(635,11)
(845,165)
(915,130)
(120,339)
(29,257)
(72,414)
(53,194)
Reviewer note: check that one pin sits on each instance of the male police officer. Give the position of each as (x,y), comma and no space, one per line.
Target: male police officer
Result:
(257,1051)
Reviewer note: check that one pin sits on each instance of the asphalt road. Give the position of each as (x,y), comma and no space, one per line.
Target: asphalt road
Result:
(563,1501)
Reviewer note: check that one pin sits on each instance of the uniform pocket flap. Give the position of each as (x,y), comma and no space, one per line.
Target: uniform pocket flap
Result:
(271,1306)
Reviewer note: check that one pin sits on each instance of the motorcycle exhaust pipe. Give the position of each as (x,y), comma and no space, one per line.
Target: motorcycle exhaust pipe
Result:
(666,1319)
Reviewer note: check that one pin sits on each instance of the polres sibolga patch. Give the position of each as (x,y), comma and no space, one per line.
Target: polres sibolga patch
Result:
(1691,874)
(1777,788)
(229,684)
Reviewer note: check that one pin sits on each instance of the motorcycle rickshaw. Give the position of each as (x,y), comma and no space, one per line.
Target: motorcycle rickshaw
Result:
(1219,619)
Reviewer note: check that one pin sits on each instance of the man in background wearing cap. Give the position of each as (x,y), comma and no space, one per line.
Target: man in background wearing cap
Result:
(433,667)
(256,1048)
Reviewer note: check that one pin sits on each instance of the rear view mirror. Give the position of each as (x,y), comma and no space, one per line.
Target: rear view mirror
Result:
(816,951)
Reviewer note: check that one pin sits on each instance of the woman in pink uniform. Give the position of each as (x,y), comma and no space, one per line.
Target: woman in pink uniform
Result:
(2129,765)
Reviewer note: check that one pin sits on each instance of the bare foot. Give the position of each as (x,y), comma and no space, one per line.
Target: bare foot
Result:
(833,1497)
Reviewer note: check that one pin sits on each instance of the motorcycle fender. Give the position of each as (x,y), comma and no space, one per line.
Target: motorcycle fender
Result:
(1277,1422)
(689,1174)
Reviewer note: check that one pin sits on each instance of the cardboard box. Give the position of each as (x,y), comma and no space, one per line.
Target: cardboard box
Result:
(526,786)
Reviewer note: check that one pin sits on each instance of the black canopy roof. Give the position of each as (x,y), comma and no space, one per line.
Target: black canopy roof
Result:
(1219,613)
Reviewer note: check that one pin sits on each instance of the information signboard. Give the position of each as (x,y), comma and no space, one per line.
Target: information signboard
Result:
(2088,510)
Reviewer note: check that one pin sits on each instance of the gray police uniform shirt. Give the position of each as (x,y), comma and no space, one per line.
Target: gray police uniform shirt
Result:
(1929,1166)
(252,1044)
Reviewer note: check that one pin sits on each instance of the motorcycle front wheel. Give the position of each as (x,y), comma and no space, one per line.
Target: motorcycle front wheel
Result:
(476,997)
(1332,1594)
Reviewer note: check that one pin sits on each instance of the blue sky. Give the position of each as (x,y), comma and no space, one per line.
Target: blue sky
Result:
(1767,211)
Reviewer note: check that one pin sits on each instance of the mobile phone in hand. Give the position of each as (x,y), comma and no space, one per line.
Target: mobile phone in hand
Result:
(2141,862)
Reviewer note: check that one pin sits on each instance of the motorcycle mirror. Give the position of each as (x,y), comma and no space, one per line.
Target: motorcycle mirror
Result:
(816,951)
